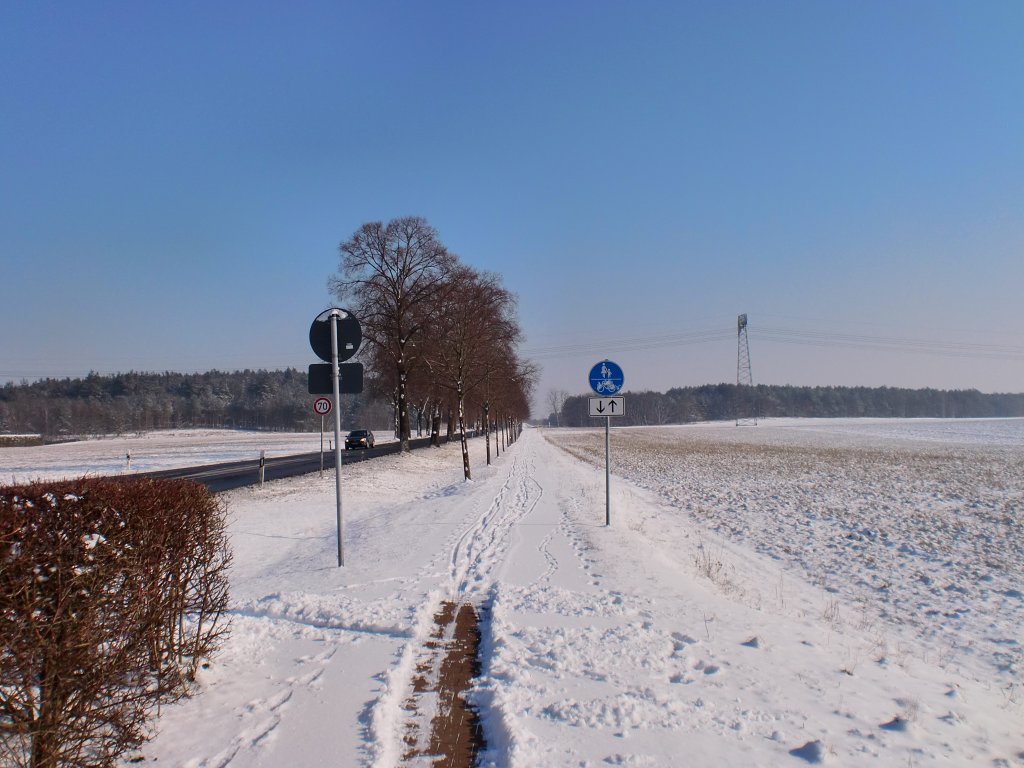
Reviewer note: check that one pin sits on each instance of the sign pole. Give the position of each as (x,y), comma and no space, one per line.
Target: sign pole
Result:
(335,337)
(607,379)
(337,433)
(607,472)
(321,446)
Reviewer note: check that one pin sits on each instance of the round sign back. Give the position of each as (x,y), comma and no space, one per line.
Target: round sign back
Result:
(350,336)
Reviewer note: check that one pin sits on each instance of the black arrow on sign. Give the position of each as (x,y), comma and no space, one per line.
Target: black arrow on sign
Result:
(600,407)
(611,404)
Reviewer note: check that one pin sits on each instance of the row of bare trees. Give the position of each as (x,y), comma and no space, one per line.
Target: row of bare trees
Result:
(439,333)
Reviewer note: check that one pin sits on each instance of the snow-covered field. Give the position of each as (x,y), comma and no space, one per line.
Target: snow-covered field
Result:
(910,523)
(841,592)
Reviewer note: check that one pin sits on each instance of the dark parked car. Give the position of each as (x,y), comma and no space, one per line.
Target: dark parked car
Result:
(359,438)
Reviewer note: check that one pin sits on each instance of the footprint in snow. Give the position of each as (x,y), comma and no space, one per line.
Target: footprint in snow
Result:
(707,669)
(898,724)
(952,718)
(812,752)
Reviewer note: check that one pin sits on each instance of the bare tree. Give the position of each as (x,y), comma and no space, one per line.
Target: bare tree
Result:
(477,333)
(512,399)
(389,277)
(505,392)
(556,399)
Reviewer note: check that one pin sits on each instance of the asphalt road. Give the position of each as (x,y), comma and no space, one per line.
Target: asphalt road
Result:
(236,474)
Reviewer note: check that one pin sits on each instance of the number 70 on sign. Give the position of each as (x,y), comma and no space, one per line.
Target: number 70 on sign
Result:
(607,406)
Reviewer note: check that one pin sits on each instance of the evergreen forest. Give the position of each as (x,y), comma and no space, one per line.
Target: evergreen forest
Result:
(278,400)
(715,402)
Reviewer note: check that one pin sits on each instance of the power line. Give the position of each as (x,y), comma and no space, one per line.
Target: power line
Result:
(763,334)
(781,335)
(890,343)
(635,343)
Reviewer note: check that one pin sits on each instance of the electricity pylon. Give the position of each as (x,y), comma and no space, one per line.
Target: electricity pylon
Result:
(746,401)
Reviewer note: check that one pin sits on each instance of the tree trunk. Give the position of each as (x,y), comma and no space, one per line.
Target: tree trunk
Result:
(487,432)
(435,426)
(462,436)
(419,418)
(403,410)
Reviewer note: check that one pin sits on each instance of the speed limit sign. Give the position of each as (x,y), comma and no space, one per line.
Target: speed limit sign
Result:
(322,406)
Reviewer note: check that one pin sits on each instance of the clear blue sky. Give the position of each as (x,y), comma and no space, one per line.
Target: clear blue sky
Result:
(175,179)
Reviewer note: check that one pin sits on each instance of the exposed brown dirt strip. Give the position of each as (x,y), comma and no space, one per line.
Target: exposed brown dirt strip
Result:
(444,673)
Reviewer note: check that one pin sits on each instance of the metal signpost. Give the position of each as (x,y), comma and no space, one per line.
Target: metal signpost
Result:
(322,406)
(606,379)
(335,336)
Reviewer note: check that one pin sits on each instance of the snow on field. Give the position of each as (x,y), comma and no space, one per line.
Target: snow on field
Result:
(759,600)
(152,451)
(915,523)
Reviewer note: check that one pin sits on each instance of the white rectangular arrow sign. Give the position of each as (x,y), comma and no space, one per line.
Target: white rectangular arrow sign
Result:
(607,406)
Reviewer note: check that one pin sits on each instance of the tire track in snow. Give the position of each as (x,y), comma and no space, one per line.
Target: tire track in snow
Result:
(429,704)
(481,548)
(552,561)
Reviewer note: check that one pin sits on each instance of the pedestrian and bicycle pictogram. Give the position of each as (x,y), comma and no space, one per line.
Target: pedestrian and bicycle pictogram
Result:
(606,378)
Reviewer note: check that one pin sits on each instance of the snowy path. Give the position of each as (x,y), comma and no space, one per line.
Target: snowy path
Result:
(656,642)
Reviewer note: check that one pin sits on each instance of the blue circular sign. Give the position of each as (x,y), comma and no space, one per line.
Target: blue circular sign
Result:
(606,378)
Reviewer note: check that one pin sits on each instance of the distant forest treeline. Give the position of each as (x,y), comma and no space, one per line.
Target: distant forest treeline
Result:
(278,400)
(719,401)
(132,402)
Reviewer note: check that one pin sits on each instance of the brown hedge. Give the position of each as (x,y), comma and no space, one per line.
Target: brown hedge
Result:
(111,593)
